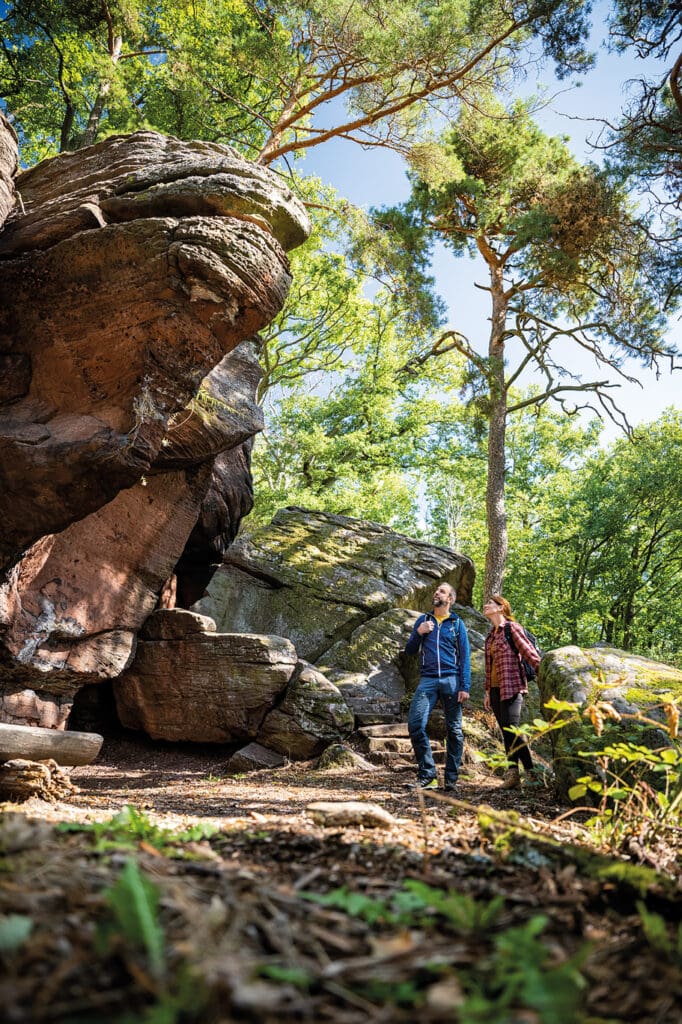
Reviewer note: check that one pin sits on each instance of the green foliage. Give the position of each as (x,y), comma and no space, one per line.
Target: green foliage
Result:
(287,975)
(130,827)
(517,975)
(415,904)
(637,789)
(133,928)
(520,973)
(600,554)
(134,904)
(657,932)
(260,76)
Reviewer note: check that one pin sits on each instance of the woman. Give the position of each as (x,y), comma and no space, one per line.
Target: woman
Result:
(505,682)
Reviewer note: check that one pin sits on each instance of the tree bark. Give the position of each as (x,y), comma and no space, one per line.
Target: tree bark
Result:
(92,127)
(496,554)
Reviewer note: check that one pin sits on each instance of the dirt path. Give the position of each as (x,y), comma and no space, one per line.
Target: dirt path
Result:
(276,919)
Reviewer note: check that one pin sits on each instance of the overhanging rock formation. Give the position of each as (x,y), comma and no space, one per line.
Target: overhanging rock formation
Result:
(131,279)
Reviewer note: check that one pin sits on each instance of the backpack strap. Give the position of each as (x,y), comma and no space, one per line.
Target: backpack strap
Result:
(509,637)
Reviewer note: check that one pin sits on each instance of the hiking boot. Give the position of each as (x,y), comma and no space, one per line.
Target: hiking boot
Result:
(429,784)
(511,779)
(450,787)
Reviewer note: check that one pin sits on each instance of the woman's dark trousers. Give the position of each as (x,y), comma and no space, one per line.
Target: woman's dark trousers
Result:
(508,712)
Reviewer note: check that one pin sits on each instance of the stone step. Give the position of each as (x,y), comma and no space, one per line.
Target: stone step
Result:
(374,712)
(373,717)
(388,757)
(389,729)
(435,730)
(399,743)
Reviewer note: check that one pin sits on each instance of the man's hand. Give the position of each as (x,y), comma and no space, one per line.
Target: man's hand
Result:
(425,627)
(463,696)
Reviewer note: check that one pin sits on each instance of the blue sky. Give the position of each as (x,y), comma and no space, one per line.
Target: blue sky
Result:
(376,177)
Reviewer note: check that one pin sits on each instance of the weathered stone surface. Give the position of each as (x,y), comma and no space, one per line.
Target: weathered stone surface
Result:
(128,281)
(228,499)
(174,624)
(338,755)
(370,659)
(253,757)
(9,161)
(145,175)
(315,577)
(221,416)
(28,707)
(21,779)
(72,607)
(350,814)
(312,715)
(134,289)
(207,688)
(629,682)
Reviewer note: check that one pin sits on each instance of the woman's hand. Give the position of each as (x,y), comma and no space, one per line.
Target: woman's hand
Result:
(486,701)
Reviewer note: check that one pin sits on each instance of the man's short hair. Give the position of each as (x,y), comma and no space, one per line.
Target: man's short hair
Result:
(453,592)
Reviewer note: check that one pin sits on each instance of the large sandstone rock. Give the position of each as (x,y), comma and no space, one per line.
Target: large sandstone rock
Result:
(312,715)
(315,577)
(205,687)
(134,267)
(371,665)
(127,285)
(9,161)
(629,682)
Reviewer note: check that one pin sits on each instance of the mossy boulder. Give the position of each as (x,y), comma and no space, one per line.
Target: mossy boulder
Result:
(371,661)
(312,715)
(315,577)
(630,683)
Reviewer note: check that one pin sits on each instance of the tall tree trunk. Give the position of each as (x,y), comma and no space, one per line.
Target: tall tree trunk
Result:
(496,554)
(92,128)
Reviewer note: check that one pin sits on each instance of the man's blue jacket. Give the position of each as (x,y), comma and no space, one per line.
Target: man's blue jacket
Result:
(444,651)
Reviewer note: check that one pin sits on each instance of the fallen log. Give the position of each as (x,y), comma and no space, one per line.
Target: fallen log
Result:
(36,744)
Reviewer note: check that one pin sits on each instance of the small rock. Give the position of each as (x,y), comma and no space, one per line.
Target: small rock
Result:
(348,813)
(338,755)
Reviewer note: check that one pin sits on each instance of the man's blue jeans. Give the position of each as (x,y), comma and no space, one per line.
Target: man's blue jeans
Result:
(428,692)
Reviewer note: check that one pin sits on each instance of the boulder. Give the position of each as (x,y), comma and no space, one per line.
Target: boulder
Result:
(9,162)
(312,715)
(204,687)
(134,266)
(315,577)
(130,278)
(630,683)
(253,757)
(370,663)
(175,624)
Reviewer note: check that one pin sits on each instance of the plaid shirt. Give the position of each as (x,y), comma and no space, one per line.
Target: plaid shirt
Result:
(508,669)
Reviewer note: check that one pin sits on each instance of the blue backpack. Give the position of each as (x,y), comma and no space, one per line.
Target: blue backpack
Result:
(528,669)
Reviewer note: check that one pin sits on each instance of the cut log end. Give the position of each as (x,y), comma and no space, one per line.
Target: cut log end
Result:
(21,779)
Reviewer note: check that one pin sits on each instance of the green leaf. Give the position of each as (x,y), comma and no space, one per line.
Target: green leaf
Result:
(134,901)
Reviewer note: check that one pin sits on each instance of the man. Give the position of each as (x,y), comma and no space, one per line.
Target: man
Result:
(441,640)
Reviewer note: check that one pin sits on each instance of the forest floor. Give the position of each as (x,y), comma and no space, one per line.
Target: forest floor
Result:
(487,907)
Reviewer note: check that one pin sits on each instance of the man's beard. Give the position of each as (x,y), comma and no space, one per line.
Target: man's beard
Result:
(437,602)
